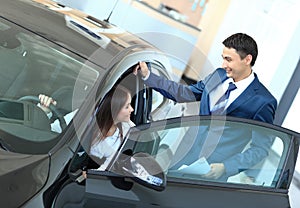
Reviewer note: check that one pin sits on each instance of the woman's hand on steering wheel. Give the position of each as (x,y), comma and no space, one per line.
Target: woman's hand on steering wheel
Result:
(45,102)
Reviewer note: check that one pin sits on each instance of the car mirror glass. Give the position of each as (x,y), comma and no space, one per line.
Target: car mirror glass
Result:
(144,169)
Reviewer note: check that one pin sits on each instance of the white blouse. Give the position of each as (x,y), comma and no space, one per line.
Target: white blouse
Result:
(109,146)
(106,148)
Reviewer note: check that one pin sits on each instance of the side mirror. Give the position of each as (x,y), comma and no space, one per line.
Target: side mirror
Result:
(143,169)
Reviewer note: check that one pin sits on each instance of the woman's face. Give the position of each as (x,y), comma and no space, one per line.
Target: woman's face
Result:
(124,114)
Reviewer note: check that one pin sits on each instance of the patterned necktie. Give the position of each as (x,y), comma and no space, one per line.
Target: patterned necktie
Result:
(221,103)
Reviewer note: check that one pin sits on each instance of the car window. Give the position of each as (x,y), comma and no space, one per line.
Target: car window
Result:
(252,154)
(31,65)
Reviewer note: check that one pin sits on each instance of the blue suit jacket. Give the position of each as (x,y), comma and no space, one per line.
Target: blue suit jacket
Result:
(256,102)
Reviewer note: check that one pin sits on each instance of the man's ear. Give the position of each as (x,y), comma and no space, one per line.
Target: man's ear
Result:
(248,59)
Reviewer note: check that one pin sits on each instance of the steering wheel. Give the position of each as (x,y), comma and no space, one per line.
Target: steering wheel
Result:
(35,99)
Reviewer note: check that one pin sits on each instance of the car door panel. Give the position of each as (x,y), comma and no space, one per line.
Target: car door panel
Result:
(101,191)
(272,176)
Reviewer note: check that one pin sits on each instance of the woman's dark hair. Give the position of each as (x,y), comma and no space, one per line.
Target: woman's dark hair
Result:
(110,108)
(243,44)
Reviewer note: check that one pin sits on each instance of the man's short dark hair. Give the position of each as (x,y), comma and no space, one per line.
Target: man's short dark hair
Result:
(243,44)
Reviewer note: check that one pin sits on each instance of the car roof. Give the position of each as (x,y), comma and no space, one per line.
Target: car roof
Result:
(72,29)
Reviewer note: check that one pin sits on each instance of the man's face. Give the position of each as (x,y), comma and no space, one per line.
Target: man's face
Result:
(236,68)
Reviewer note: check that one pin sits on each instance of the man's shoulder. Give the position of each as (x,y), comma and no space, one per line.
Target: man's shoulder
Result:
(263,90)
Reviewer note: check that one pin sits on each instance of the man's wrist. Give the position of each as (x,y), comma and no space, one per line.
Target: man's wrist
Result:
(146,77)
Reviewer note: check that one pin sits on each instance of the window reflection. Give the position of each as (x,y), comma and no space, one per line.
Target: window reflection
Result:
(174,149)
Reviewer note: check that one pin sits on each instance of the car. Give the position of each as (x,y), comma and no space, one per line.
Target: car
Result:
(48,48)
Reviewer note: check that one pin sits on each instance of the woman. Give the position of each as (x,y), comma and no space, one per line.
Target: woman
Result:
(114,121)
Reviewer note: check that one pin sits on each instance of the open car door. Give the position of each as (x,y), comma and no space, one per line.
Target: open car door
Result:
(260,177)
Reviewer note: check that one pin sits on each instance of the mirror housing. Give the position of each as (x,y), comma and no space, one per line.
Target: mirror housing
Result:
(142,168)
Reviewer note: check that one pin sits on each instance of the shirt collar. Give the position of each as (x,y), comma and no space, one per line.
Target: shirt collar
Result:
(242,83)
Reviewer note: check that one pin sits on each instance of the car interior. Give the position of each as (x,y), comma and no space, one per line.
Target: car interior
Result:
(33,66)
(142,105)
(141,101)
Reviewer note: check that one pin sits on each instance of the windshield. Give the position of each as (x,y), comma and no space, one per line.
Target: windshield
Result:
(30,67)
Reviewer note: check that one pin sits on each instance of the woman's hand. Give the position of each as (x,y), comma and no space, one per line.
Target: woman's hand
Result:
(45,102)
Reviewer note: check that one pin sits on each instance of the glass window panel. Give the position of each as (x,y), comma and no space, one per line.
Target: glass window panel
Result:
(251,154)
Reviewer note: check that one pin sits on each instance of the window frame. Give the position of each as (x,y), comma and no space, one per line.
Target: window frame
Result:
(288,165)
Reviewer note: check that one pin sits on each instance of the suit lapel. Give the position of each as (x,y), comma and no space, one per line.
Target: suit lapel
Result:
(245,96)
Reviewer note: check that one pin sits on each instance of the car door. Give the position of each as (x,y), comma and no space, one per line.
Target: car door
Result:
(259,159)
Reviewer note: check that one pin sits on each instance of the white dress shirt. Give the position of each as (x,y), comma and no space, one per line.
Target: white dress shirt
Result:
(221,89)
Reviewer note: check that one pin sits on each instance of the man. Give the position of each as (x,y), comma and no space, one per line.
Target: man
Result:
(247,98)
